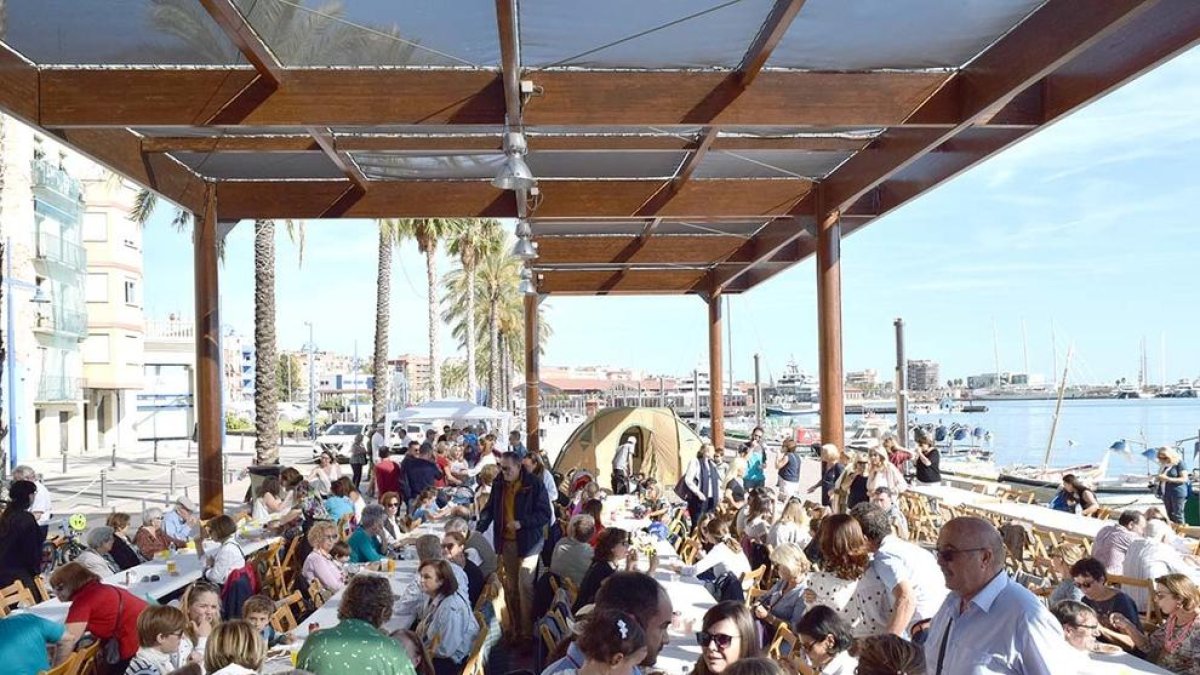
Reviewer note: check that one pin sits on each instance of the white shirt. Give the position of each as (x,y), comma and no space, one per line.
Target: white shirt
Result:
(898,560)
(623,457)
(788,533)
(41,503)
(861,603)
(1004,629)
(842,664)
(734,561)
(227,559)
(1148,559)
(377,442)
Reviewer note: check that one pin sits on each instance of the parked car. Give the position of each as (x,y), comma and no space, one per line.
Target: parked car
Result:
(338,439)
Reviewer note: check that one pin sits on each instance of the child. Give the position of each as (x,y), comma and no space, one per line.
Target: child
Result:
(159,631)
(611,642)
(417,652)
(257,611)
(340,552)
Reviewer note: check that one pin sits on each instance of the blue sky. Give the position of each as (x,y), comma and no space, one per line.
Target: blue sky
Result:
(1087,227)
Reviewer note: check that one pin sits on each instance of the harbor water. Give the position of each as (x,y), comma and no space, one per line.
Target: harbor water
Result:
(1086,428)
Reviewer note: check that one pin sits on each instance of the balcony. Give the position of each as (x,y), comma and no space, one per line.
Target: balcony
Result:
(52,389)
(62,322)
(55,187)
(170,329)
(54,249)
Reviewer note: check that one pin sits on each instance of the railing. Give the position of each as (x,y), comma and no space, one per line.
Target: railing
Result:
(170,328)
(56,249)
(49,177)
(63,321)
(53,388)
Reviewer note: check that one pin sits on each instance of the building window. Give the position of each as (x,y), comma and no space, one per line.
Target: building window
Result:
(97,287)
(95,348)
(133,350)
(131,292)
(95,226)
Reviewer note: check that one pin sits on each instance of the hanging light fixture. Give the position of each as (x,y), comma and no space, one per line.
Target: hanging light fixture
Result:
(526,286)
(524,249)
(515,173)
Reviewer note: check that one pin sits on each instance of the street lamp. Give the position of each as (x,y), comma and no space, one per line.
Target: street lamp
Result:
(10,361)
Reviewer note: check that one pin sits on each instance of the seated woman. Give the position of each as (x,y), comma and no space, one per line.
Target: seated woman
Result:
(103,610)
(847,583)
(365,546)
(123,552)
(1175,644)
(890,655)
(792,526)
(338,504)
(393,531)
(228,556)
(96,556)
(320,565)
(611,550)
(150,538)
(270,503)
(325,473)
(727,635)
(784,603)
(1091,577)
(1079,493)
(366,605)
(445,617)
(234,648)
(824,640)
(160,630)
(21,538)
(454,549)
(611,642)
(723,555)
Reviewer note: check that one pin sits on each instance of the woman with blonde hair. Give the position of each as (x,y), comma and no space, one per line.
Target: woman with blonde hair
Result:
(882,473)
(784,603)
(851,488)
(1172,482)
(234,648)
(831,472)
(201,602)
(788,465)
(1174,645)
(792,526)
(847,583)
(320,565)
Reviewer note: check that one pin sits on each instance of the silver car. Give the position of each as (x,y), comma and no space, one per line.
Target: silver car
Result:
(338,439)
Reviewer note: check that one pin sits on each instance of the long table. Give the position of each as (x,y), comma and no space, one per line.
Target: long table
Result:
(188,568)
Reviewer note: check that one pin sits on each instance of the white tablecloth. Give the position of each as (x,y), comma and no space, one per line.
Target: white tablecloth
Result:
(188,564)
(1121,664)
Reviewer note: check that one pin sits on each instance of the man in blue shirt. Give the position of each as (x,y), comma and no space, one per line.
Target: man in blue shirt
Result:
(515,444)
(180,523)
(23,640)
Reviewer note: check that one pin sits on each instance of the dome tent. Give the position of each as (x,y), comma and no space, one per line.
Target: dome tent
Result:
(665,444)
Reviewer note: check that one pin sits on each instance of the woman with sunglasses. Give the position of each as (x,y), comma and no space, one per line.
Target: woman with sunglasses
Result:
(325,473)
(1175,644)
(1092,578)
(320,565)
(393,531)
(824,640)
(727,634)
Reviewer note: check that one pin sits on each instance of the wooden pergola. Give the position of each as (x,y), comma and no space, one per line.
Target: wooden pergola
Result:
(679,149)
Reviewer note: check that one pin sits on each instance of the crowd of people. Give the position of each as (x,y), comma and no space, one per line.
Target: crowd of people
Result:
(823,578)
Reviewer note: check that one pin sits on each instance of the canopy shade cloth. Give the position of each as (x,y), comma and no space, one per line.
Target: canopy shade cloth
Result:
(665,443)
(450,410)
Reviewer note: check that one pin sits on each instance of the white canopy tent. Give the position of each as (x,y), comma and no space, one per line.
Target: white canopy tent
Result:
(456,411)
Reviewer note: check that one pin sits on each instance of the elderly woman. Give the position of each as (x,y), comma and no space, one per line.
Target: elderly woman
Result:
(96,556)
(882,473)
(847,583)
(784,603)
(365,607)
(1175,644)
(21,538)
(123,552)
(229,555)
(320,565)
(107,612)
(150,538)
(446,618)
(365,546)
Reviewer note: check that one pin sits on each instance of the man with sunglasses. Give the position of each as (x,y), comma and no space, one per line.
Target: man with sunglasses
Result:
(989,623)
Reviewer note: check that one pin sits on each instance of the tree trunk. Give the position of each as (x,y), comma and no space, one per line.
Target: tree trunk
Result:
(472,377)
(435,366)
(505,375)
(383,294)
(266,423)
(494,356)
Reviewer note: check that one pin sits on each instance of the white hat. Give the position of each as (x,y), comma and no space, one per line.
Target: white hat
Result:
(186,503)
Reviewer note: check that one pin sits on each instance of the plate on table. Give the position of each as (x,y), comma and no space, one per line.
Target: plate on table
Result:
(1104,648)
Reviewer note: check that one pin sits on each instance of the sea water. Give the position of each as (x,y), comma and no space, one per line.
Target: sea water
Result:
(1086,428)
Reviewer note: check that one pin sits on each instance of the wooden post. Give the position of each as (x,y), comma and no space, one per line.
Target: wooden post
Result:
(208,360)
(532,426)
(716,390)
(829,327)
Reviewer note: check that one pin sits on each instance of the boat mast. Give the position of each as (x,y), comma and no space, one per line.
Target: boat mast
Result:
(1062,387)
(1025,349)
(996,352)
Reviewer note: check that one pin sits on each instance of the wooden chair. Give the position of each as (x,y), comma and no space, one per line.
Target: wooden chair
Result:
(285,618)
(1150,615)
(67,667)
(500,609)
(88,660)
(16,595)
(784,644)
(475,659)
(317,594)
(343,526)
(750,579)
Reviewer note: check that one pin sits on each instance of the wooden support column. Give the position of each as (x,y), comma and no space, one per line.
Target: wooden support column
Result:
(829,327)
(208,359)
(716,386)
(532,377)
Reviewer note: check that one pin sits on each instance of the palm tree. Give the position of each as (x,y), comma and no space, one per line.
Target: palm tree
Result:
(389,231)
(428,232)
(469,244)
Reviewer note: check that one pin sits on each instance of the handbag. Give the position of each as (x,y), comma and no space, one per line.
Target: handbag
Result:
(110,651)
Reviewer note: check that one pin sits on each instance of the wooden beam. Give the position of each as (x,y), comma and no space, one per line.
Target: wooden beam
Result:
(772,31)
(443,144)
(249,43)
(671,188)
(324,139)
(335,98)
(120,150)
(210,426)
(736,198)
(615,250)
(18,86)
(635,282)
(716,373)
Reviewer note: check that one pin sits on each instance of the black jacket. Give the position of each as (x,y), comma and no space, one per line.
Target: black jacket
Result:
(532,511)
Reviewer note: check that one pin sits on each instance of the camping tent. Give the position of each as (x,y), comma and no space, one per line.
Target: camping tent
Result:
(665,444)
(453,411)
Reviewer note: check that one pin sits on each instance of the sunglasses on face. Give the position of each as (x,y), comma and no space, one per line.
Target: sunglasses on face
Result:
(704,639)
(947,555)
(447,547)
(392,505)
(1085,584)
(1093,628)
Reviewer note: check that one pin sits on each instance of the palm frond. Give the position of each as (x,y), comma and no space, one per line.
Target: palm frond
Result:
(295,233)
(143,205)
